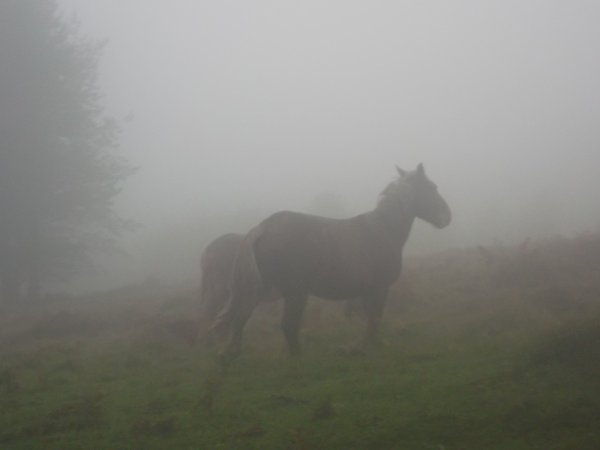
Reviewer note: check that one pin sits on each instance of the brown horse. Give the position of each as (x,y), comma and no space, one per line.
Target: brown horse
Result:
(301,255)
(216,263)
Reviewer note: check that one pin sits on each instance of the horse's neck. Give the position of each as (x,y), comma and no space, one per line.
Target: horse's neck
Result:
(396,222)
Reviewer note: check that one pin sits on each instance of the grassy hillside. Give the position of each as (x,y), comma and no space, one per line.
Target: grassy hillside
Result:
(484,348)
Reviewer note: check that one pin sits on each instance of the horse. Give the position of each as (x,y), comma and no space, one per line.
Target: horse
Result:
(355,258)
(216,264)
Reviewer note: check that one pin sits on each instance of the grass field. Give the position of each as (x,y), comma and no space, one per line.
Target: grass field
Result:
(482,349)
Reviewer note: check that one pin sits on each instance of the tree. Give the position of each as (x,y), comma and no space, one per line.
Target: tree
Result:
(59,173)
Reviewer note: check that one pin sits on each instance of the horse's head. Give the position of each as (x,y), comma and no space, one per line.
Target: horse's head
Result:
(428,204)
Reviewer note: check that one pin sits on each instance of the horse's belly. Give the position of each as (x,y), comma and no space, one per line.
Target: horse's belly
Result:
(346,284)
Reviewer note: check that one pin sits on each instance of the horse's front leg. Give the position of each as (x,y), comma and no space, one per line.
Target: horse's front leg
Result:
(373,303)
(293,310)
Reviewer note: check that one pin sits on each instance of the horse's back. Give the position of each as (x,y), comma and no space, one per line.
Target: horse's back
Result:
(292,236)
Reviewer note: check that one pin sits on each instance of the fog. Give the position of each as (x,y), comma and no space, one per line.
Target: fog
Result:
(233,110)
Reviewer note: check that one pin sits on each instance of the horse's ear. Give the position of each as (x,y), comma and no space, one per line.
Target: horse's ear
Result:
(401,172)
(420,170)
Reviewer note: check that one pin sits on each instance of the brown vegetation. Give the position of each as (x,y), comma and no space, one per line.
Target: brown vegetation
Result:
(542,283)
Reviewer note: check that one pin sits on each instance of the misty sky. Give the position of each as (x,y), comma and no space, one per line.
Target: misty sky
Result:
(262,105)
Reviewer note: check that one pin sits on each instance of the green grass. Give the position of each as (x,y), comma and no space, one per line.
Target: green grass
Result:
(416,392)
(466,363)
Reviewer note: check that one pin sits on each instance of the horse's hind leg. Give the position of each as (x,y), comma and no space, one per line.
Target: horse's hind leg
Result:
(218,330)
(240,315)
(293,310)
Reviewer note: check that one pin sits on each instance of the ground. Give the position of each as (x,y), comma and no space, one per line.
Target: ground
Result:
(489,348)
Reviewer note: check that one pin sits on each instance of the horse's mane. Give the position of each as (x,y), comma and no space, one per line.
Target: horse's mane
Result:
(388,198)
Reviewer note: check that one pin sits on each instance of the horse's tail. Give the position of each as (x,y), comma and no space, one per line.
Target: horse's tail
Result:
(206,295)
(213,287)
(246,283)
(205,285)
